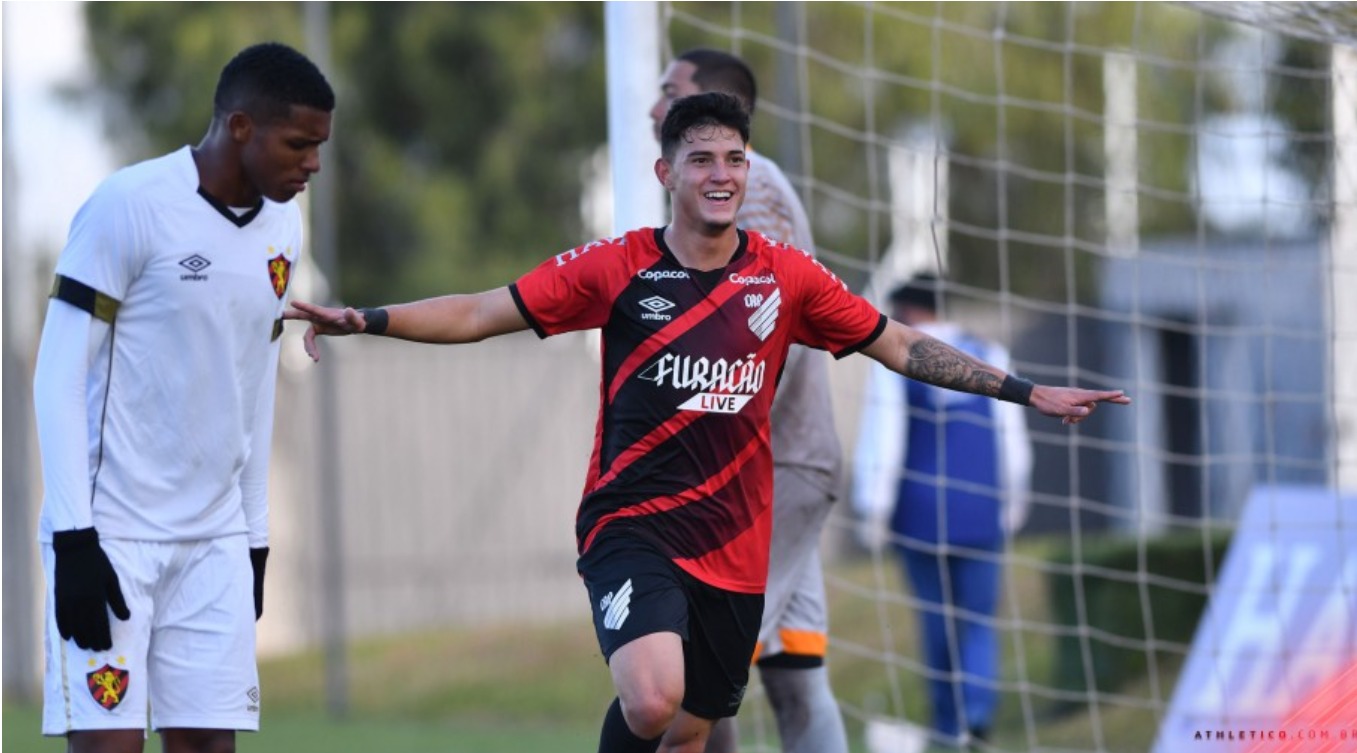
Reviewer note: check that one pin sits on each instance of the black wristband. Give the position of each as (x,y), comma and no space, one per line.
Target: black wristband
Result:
(375,321)
(1016,390)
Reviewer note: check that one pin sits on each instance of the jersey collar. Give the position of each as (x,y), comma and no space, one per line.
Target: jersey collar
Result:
(667,254)
(238,220)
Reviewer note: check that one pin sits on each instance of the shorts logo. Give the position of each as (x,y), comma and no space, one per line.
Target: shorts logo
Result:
(280,272)
(253,695)
(737,697)
(195,265)
(616,606)
(107,685)
(653,306)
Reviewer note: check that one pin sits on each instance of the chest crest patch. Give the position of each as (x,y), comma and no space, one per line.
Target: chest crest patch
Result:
(280,273)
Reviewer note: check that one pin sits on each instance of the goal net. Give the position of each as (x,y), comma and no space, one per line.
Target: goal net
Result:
(1149,196)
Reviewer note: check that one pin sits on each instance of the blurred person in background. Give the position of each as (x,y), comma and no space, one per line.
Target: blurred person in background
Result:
(673,529)
(945,477)
(154,395)
(806,456)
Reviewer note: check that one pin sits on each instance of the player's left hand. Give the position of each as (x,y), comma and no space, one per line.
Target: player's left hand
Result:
(1073,404)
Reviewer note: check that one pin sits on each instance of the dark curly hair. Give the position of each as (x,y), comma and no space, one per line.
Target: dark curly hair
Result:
(266,80)
(698,110)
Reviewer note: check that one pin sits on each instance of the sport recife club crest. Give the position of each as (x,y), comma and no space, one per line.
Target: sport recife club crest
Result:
(280,271)
(108,685)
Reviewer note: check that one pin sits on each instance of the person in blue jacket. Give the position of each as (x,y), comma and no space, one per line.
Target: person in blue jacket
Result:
(944,476)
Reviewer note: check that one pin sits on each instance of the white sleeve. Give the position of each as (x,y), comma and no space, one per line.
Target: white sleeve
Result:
(103,254)
(880,445)
(71,339)
(254,479)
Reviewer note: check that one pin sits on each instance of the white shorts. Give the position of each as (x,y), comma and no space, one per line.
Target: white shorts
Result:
(188,650)
(795,617)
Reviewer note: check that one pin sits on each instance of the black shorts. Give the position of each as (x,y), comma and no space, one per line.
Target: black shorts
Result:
(634,591)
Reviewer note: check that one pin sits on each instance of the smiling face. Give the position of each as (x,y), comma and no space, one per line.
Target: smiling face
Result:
(706,179)
(279,156)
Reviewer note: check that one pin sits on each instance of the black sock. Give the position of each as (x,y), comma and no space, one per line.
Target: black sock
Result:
(617,737)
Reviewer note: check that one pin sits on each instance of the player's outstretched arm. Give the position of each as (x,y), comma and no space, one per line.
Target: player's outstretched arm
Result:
(927,359)
(445,320)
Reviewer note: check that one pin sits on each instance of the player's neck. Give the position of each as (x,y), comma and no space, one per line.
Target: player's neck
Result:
(702,251)
(220,175)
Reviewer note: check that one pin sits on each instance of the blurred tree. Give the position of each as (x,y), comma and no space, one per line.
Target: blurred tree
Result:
(1015,91)
(459,131)
(461,127)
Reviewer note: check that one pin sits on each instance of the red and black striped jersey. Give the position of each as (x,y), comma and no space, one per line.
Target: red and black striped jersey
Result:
(690,363)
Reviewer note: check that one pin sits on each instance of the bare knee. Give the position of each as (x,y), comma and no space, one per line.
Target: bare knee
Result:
(688,734)
(648,715)
(198,740)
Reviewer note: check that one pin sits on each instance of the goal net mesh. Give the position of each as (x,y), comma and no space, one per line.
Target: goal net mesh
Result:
(1126,195)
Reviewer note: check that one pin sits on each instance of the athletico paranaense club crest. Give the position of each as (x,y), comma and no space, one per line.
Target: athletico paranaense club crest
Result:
(280,271)
(108,685)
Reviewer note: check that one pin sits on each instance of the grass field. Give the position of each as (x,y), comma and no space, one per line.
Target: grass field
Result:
(545,688)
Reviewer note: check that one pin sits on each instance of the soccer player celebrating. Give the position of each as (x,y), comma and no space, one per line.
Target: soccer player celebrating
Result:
(697,318)
(806,456)
(154,396)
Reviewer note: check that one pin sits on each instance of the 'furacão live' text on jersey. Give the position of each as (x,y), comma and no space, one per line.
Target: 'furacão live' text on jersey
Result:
(691,360)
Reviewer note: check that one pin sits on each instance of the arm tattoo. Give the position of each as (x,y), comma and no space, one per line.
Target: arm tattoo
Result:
(935,362)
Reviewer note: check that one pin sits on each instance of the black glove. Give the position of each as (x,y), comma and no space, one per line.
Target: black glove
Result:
(257,559)
(86,588)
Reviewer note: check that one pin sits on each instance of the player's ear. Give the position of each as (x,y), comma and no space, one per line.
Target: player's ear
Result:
(240,126)
(664,171)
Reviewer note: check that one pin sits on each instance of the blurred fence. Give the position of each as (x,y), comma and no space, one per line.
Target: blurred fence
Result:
(459,472)
(458,469)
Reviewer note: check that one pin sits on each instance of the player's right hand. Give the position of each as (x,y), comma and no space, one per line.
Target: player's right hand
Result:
(85,589)
(325,320)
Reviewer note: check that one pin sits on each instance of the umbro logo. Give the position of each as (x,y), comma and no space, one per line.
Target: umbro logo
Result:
(616,606)
(657,304)
(654,305)
(195,265)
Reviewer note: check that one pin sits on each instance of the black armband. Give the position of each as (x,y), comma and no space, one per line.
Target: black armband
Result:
(375,321)
(1016,390)
(85,298)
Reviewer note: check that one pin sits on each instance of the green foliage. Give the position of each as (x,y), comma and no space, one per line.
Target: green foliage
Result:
(459,129)
(1021,120)
(1121,594)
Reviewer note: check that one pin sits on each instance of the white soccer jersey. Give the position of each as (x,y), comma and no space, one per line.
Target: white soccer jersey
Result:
(179,398)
